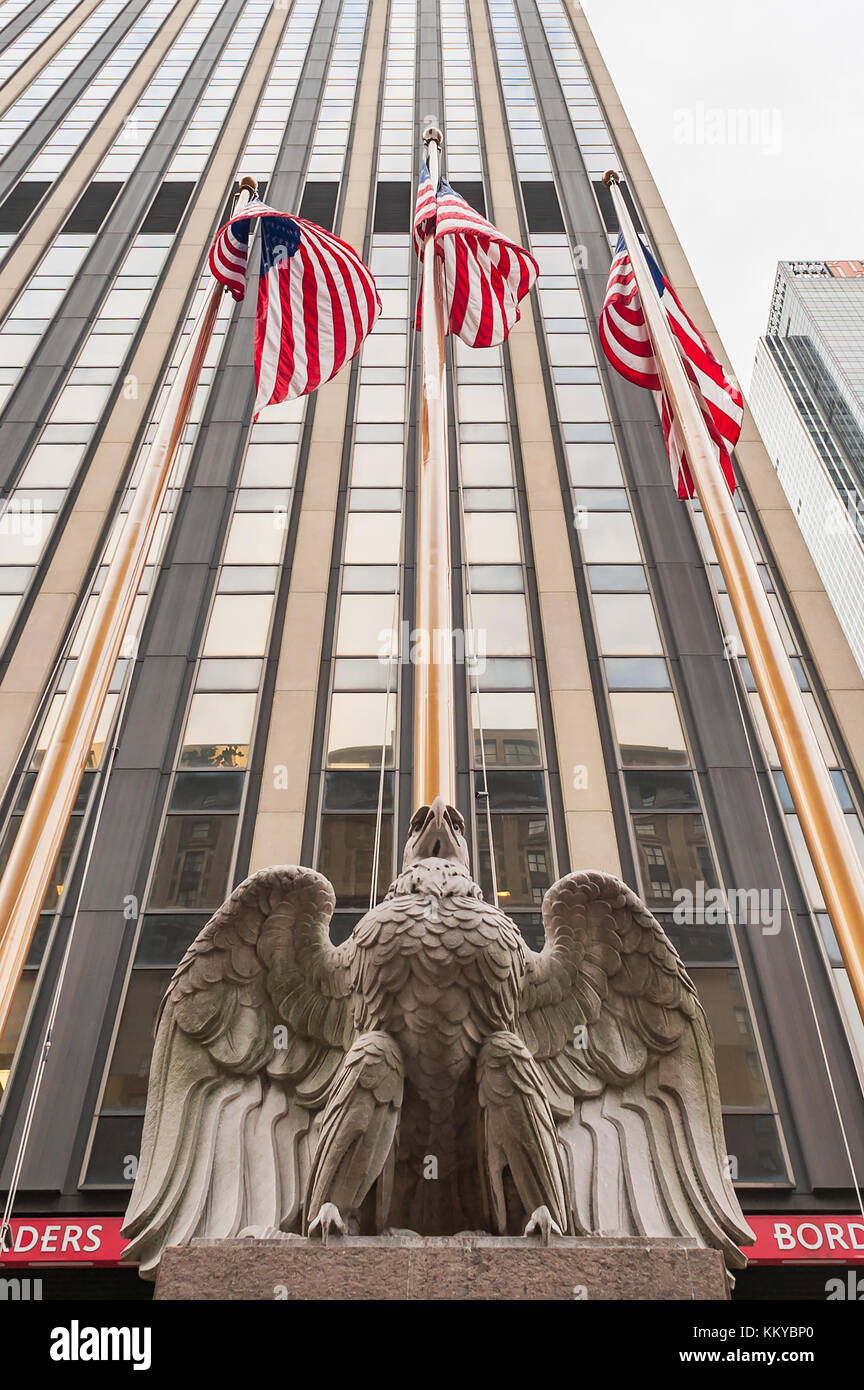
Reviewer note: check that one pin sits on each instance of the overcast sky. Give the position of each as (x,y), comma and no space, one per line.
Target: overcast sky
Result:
(795,187)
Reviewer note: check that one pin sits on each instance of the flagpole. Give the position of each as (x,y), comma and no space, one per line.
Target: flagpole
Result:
(34,853)
(835,858)
(434,738)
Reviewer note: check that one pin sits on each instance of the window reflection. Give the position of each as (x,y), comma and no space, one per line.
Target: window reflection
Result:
(648,728)
(673,853)
(739,1069)
(523,859)
(346,853)
(126,1088)
(193,861)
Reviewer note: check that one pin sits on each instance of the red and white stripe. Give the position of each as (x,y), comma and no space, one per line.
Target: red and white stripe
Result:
(315,305)
(627,344)
(485,275)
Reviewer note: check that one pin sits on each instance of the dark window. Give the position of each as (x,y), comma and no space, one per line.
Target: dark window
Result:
(167,208)
(165,940)
(319,202)
(356,791)
(194,857)
(16,209)
(92,207)
(392,207)
(474,195)
(126,1088)
(113,1158)
(542,208)
(753,1145)
(346,852)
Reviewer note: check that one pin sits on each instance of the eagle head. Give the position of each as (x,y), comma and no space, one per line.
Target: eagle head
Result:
(436,832)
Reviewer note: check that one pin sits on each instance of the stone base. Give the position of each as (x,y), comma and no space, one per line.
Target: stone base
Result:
(441,1267)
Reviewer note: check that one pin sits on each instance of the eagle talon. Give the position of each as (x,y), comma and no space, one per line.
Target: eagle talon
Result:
(328,1215)
(542,1222)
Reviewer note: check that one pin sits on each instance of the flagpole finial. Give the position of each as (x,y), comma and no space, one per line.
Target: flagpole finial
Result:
(611,177)
(432,135)
(249,184)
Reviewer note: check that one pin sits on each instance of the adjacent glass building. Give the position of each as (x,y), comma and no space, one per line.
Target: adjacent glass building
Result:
(261,710)
(808,401)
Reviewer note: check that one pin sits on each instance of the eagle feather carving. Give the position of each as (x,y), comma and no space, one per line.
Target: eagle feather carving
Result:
(432,1072)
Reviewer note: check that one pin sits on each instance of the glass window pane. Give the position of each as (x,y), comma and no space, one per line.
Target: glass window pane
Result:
(363,673)
(523,859)
(594,465)
(635,673)
(626,625)
(493,579)
(193,862)
(505,673)
(366,625)
(501,624)
(509,727)
(754,1142)
(229,675)
(373,538)
(648,728)
(610,538)
(359,724)
(665,791)
(238,625)
(581,403)
(165,940)
(126,1087)
(271,464)
(377,465)
(346,852)
(512,790)
(491,537)
(206,791)
(739,1069)
(673,853)
(369,579)
(357,791)
(380,403)
(485,465)
(218,730)
(484,402)
(116,1145)
(254,538)
(630,579)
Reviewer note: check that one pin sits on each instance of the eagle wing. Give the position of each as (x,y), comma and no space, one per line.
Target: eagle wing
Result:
(252,1029)
(625,1051)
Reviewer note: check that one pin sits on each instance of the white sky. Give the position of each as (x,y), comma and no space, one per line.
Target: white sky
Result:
(739,208)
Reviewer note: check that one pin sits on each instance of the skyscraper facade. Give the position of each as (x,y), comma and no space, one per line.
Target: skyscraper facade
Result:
(261,709)
(808,401)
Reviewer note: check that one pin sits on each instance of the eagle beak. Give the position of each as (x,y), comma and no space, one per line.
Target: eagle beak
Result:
(436,839)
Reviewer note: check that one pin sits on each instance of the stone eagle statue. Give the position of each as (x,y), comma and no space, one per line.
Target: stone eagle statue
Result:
(432,1072)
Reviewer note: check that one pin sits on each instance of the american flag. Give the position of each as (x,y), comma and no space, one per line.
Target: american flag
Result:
(316,299)
(626,342)
(485,275)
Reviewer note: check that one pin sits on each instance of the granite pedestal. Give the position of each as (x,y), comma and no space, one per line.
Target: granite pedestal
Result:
(398,1268)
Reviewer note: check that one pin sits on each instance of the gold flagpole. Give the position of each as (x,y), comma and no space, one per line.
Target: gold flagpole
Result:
(835,859)
(40,835)
(434,740)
